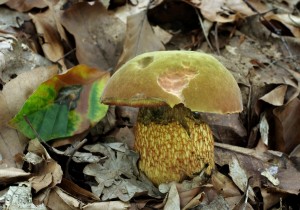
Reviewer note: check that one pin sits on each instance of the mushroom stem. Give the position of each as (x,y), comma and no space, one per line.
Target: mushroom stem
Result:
(173,144)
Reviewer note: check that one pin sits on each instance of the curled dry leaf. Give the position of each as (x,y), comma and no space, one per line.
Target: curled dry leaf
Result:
(51,44)
(99,43)
(291,23)
(75,190)
(48,173)
(276,96)
(59,199)
(10,175)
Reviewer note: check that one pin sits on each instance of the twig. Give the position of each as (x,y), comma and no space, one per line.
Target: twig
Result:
(71,151)
(37,135)
(217,39)
(202,26)
(65,55)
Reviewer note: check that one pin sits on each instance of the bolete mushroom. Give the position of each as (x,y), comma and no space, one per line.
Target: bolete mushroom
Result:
(170,87)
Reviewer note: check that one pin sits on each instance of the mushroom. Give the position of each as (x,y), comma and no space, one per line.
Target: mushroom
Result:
(170,87)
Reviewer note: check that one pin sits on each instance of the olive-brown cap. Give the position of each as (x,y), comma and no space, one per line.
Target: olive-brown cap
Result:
(197,80)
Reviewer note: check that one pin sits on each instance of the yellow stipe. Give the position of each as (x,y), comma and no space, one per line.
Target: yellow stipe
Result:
(168,153)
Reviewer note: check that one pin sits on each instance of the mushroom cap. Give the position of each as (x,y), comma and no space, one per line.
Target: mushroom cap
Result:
(197,80)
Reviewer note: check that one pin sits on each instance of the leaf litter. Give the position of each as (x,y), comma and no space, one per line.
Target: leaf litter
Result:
(257,40)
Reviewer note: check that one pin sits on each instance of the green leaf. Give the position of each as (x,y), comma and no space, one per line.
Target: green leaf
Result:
(65,105)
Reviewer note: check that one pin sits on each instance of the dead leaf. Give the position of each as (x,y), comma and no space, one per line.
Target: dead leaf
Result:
(110,205)
(254,162)
(239,177)
(12,97)
(127,10)
(19,197)
(276,96)
(140,38)
(226,128)
(55,12)
(195,201)
(224,11)
(286,128)
(3,1)
(78,192)
(58,199)
(224,185)
(289,24)
(48,173)
(25,5)
(10,175)
(17,58)
(99,43)
(172,199)
(51,41)
(116,178)
(8,18)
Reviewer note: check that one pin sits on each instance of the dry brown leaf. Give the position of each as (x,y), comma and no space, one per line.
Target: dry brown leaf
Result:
(48,173)
(117,177)
(25,5)
(254,162)
(224,185)
(236,203)
(3,1)
(140,38)
(78,192)
(240,177)
(125,135)
(20,197)
(194,202)
(287,126)
(172,199)
(46,26)
(17,58)
(270,198)
(98,34)
(10,175)
(219,203)
(8,19)
(110,205)
(227,10)
(226,128)
(12,98)
(276,96)
(58,199)
(291,23)
(127,10)
(56,11)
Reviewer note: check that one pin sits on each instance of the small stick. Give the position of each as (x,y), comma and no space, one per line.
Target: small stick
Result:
(37,135)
